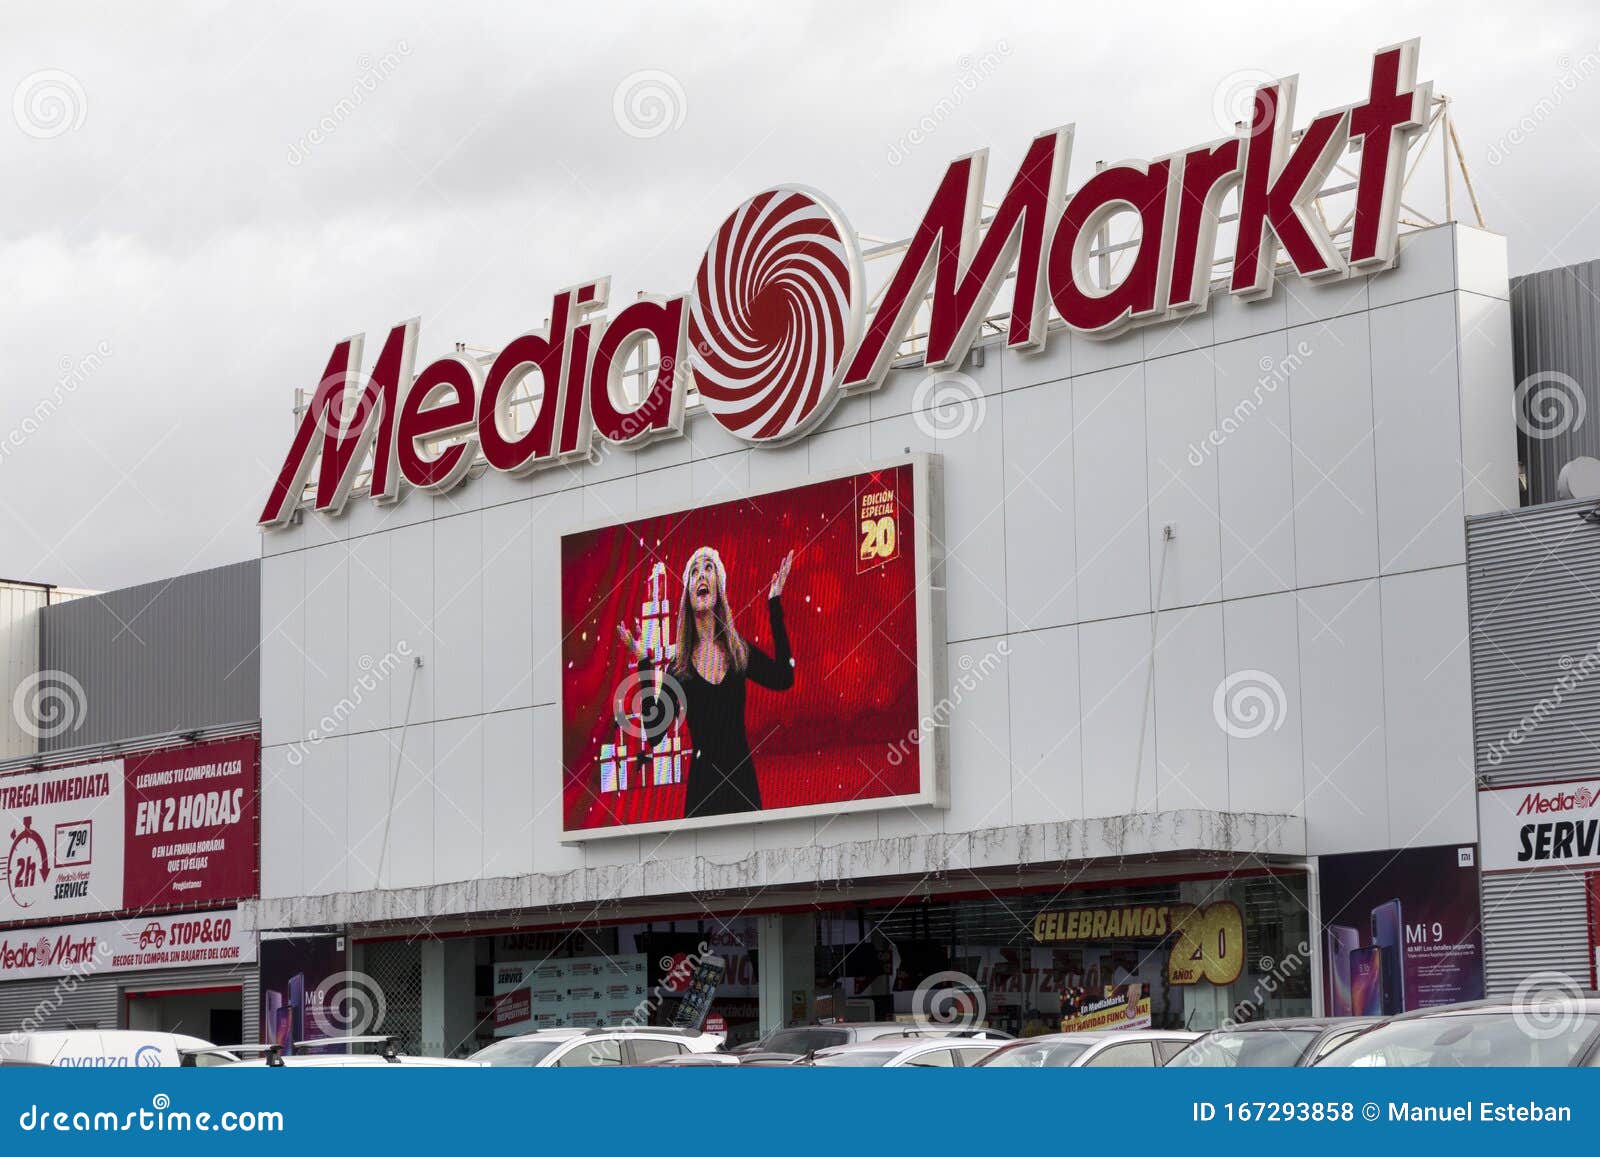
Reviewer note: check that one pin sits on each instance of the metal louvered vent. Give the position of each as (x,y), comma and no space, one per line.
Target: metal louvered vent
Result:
(1534,922)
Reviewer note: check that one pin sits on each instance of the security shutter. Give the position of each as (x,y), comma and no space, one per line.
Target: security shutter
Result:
(97,1002)
(1534,922)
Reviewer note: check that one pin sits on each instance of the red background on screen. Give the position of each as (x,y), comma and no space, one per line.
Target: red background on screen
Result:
(846,730)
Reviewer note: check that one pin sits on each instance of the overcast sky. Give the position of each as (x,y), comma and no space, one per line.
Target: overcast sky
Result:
(174,238)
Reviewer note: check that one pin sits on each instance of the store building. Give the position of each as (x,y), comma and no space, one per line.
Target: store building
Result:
(1107,656)
(130,830)
(1534,578)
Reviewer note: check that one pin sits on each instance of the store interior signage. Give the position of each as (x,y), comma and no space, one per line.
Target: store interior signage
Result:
(1207,941)
(774,327)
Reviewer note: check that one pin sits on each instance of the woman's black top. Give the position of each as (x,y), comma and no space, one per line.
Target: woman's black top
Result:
(722,772)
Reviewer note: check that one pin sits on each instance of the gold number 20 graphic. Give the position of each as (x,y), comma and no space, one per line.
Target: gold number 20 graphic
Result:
(1207,944)
(877,537)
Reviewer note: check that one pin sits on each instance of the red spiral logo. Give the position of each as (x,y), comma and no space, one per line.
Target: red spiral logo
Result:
(776,307)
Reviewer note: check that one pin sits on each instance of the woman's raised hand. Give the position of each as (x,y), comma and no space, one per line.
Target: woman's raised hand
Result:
(631,643)
(781,576)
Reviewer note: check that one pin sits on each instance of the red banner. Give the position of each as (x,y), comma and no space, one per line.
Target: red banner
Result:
(191,824)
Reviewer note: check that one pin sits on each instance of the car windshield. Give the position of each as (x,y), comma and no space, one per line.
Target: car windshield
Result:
(1259,1049)
(1472,1040)
(796,1041)
(858,1058)
(517,1052)
(1036,1055)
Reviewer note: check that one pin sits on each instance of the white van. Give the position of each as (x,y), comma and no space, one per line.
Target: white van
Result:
(101,1048)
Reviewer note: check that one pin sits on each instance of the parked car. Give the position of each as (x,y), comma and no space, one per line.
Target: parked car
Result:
(900,1053)
(594,1047)
(103,1048)
(1562,1033)
(798,1040)
(721,1060)
(311,1055)
(1137,1048)
(1294,1041)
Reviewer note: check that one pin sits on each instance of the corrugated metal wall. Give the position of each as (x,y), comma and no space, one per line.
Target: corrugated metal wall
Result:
(1533,589)
(1555,329)
(164,657)
(20,604)
(97,1002)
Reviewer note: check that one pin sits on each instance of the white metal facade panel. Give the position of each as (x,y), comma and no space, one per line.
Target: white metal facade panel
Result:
(1051,547)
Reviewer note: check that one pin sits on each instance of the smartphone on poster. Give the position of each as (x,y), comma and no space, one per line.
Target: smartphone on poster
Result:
(1342,941)
(1366,981)
(1388,934)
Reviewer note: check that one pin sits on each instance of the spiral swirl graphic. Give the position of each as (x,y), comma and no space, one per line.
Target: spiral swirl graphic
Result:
(49,703)
(949,1000)
(1233,101)
(350,402)
(646,703)
(1249,703)
(776,307)
(1547,1005)
(948,404)
(1549,404)
(49,103)
(352,1003)
(160,1100)
(648,103)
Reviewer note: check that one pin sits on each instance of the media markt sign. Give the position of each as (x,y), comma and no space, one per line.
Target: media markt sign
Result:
(1547,825)
(774,327)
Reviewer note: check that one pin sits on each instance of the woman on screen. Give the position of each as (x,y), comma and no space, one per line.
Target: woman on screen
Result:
(707,678)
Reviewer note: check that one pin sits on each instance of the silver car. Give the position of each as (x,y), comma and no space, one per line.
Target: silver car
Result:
(1124,1048)
(892,1053)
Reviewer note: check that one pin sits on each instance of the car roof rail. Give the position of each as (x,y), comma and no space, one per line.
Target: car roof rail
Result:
(390,1042)
(603,1029)
(190,1058)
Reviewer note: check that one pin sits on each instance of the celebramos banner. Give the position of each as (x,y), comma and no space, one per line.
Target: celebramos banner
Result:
(1401,930)
(174,827)
(171,941)
(831,710)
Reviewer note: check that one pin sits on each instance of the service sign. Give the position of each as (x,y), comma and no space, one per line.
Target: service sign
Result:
(766,656)
(1548,825)
(174,827)
(175,940)
(772,327)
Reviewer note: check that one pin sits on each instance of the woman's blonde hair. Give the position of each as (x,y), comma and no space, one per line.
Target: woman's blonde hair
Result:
(734,647)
